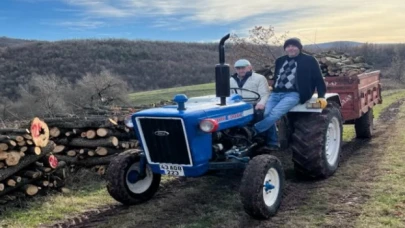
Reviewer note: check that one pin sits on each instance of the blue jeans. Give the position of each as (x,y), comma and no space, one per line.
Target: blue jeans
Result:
(277,105)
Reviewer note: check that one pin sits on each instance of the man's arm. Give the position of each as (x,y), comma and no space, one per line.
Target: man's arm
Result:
(318,78)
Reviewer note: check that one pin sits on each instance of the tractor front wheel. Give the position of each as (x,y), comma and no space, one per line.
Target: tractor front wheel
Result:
(125,184)
(262,186)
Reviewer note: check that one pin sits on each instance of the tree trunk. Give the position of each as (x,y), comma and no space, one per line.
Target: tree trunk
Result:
(89,162)
(12,131)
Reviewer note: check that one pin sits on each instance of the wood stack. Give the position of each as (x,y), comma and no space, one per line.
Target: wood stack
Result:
(332,64)
(26,162)
(90,141)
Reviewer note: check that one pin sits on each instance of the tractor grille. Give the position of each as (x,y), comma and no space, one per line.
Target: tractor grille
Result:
(165,141)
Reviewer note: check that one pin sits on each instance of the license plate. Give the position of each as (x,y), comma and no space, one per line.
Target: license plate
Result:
(173,170)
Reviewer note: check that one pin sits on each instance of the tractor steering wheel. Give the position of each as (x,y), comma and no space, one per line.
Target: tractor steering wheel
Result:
(252,99)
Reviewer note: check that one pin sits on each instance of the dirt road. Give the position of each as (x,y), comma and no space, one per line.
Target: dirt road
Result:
(213,201)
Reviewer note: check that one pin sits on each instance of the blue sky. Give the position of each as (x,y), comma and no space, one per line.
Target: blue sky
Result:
(313,21)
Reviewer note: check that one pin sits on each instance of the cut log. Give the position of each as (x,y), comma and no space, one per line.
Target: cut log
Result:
(50,161)
(23,149)
(3,146)
(71,153)
(21,143)
(17,138)
(29,142)
(89,162)
(65,190)
(32,174)
(101,170)
(91,134)
(54,132)
(11,131)
(2,165)
(30,189)
(2,187)
(34,150)
(104,151)
(11,182)
(3,155)
(71,123)
(59,148)
(28,159)
(39,132)
(88,143)
(91,153)
(13,158)
(27,136)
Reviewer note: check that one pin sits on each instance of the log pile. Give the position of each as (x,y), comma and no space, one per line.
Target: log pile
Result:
(332,64)
(90,141)
(26,163)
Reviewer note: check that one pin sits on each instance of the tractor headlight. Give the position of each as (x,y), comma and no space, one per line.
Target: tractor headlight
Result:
(208,125)
(128,122)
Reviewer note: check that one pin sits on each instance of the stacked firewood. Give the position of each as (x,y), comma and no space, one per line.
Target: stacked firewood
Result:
(332,64)
(26,163)
(90,141)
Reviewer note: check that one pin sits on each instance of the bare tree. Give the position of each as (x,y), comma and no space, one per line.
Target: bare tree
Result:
(103,89)
(397,69)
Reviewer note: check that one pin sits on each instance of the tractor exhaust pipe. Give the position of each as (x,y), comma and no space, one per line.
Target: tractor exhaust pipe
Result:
(222,73)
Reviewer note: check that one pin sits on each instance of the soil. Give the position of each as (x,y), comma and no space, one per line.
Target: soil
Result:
(342,206)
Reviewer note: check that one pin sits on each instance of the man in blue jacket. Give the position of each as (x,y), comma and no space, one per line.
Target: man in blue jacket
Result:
(296,77)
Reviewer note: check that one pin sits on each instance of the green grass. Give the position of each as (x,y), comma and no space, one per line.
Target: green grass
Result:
(87,191)
(154,96)
(389,97)
(387,205)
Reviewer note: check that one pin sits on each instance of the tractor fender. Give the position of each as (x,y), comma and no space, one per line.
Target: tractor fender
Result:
(330,97)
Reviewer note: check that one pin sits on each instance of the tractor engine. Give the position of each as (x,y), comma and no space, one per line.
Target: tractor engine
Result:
(232,143)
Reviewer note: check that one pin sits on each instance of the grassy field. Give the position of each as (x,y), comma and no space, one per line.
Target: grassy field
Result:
(153,96)
(88,190)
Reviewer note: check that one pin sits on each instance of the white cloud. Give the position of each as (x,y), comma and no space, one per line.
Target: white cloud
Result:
(331,20)
(79,24)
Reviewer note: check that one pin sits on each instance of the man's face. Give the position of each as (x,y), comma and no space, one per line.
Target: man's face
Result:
(243,70)
(292,50)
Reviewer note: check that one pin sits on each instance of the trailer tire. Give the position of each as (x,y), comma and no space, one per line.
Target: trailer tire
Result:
(364,125)
(262,186)
(316,142)
(119,187)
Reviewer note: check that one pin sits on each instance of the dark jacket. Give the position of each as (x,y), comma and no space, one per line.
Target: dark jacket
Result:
(309,76)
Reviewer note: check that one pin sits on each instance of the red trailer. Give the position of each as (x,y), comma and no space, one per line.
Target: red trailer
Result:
(358,94)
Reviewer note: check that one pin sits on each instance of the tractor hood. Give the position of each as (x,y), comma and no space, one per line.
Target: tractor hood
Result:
(198,108)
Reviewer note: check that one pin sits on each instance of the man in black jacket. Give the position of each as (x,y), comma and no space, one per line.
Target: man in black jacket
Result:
(296,77)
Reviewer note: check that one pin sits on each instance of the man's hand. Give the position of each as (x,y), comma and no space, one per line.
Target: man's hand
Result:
(323,102)
(259,106)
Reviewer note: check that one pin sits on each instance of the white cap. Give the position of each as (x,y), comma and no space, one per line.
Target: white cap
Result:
(242,63)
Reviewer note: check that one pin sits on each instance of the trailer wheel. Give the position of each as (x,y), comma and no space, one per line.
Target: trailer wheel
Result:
(123,183)
(364,125)
(316,142)
(262,186)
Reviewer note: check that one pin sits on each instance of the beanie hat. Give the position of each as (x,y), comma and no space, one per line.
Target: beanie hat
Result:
(293,41)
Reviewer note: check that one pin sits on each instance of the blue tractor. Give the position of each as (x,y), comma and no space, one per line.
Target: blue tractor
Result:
(201,134)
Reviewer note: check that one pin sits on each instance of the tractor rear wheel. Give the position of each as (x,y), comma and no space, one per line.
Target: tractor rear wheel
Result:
(364,125)
(124,183)
(262,186)
(316,142)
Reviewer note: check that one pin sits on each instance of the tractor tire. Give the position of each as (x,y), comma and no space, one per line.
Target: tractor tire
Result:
(284,132)
(259,200)
(119,185)
(364,125)
(317,141)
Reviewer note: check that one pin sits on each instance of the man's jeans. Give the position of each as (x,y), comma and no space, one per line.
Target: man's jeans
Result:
(277,105)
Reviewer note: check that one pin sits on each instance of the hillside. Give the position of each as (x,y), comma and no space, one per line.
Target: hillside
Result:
(144,65)
(9,42)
